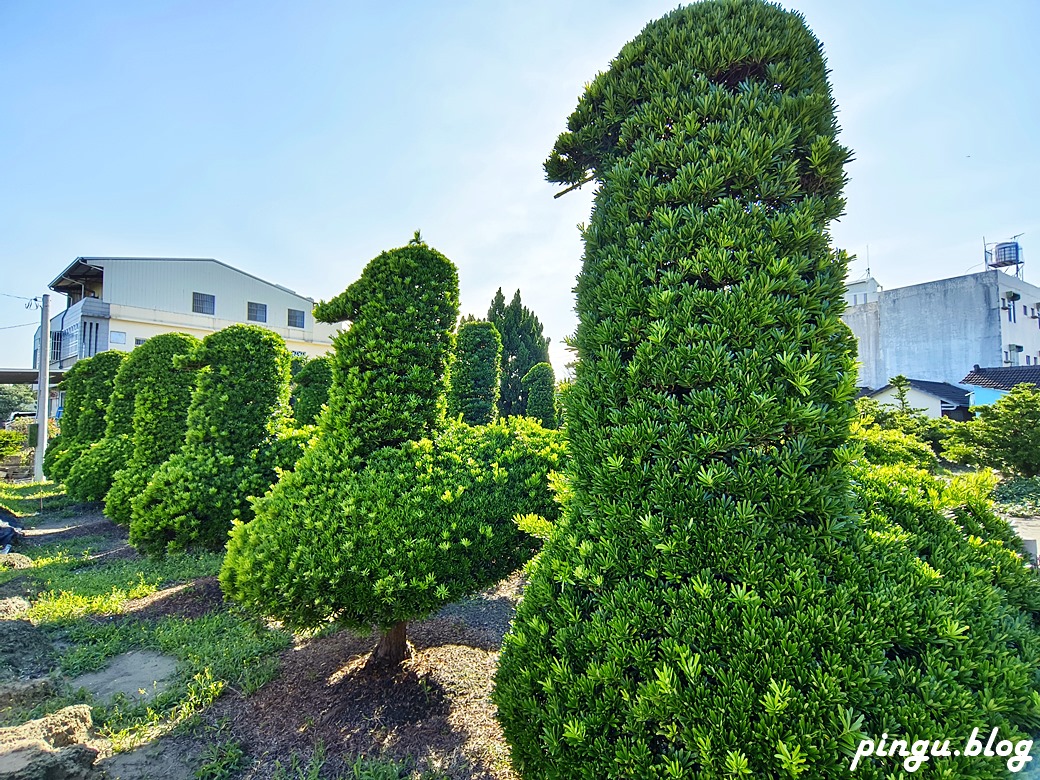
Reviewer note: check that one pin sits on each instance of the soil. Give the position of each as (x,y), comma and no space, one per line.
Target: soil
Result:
(431,713)
(136,675)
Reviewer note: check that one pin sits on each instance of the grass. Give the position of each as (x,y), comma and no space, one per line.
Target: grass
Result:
(29,498)
(362,769)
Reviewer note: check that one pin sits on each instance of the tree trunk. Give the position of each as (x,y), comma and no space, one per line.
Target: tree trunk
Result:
(392,647)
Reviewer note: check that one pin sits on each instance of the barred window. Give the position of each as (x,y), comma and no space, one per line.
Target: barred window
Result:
(296,319)
(203,303)
(256,312)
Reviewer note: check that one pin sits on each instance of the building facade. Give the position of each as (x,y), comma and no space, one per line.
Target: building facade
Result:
(119,302)
(938,330)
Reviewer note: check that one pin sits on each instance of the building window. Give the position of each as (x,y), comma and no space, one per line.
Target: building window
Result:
(203,303)
(256,312)
(1025,310)
(296,319)
(139,342)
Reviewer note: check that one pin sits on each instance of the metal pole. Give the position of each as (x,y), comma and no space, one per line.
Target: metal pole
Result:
(44,383)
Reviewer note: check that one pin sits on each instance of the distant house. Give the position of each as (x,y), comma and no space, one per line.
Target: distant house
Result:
(937,399)
(119,302)
(989,384)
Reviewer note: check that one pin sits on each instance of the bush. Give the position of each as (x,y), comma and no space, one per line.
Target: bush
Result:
(239,408)
(159,422)
(88,388)
(892,447)
(1004,436)
(523,346)
(419,526)
(475,374)
(709,604)
(540,392)
(311,389)
(11,443)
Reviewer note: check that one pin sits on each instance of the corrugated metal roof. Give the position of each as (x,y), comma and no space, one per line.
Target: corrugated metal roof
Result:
(1003,377)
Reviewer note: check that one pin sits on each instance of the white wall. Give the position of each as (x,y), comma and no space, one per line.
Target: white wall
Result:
(931,405)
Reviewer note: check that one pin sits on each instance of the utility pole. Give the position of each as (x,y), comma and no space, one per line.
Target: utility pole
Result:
(44,383)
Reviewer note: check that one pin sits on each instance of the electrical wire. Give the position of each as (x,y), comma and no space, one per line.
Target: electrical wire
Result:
(25,325)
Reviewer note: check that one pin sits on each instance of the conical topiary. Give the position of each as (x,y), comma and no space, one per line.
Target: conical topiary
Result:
(711,605)
(475,374)
(540,393)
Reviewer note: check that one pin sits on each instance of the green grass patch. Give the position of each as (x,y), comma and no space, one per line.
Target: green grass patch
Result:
(29,498)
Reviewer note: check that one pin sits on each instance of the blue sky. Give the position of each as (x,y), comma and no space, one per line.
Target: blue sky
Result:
(297,140)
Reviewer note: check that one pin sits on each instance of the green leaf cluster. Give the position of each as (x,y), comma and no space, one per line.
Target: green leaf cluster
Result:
(1004,435)
(240,406)
(475,373)
(890,447)
(713,603)
(11,443)
(88,388)
(419,526)
(523,346)
(159,421)
(311,385)
(15,398)
(540,393)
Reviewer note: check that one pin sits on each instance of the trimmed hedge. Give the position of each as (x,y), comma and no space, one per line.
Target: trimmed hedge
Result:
(890,447)
(240,407)
(159,422)
(311,389)
(88,388)
(419,526)
(475,374)
(710,604)
(540,393)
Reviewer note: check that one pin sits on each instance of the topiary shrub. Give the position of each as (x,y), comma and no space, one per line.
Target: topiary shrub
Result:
(891,447)
(83,416)
(311,390)
(419,526)
(540,392)
(159,422)
(710,605)
(239,408)
(475,374)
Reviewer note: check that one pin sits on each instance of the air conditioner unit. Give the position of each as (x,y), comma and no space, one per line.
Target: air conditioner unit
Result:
(1011,295)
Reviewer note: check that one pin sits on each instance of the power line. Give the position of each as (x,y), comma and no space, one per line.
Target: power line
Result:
(25,325)
(19,297)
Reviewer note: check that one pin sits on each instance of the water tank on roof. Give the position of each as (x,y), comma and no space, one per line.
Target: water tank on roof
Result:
(1006,253)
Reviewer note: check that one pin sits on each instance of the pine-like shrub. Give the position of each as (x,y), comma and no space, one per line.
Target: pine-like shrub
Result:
(540,392)
(890,447)
(239,408)
(311,389)
(417,527)
(83,417)
(475,374)
(523,346)
(710,604)
(159,422)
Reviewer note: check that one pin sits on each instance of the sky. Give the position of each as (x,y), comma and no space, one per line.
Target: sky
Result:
(296,141)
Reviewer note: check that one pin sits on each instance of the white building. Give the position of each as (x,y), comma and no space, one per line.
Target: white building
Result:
(938,330)
(119,302)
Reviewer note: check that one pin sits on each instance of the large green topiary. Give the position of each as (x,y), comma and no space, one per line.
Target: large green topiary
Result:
(540,393)
(239,409)
(311,389)
(710,604)
(475,374)
(88,388)
(159,422)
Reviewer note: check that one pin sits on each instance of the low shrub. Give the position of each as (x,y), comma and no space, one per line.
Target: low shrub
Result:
(890,447)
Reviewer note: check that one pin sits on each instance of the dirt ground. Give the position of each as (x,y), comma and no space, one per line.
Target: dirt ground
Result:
(433,714)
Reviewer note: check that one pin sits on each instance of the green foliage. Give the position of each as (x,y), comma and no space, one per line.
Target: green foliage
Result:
(540,393)
(389,366)
(710,603)
(1004,435)
(890,447)
(159,422)
(311,385)
(11,443)
(239,409)
(933,431)
(523,346)
(419,526)
(88,388)
(16,398)
(475,374)
(1018,496)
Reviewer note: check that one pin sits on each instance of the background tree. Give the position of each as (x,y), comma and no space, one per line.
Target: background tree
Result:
(16,398)
(1004,435)
(710,604)
(388,389)
(539,386)
(523,346)
(311,389)
(240,407)
(159,423)
(475,374)
(83,411)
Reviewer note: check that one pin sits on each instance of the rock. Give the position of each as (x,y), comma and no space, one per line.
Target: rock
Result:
(15,561)
(12,606)
(48,748)
(22,692)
